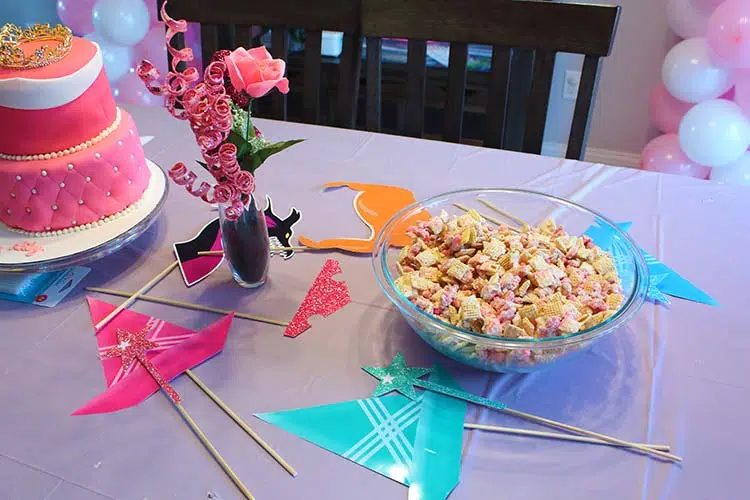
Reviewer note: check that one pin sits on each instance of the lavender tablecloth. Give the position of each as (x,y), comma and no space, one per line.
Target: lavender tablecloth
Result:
(676,375)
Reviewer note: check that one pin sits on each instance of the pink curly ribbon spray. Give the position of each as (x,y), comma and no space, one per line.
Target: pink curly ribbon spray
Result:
(207,107)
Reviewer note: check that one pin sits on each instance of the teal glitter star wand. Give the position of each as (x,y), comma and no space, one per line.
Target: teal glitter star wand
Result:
(399,377)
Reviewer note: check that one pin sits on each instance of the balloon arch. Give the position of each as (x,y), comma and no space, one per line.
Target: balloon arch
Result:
(702,105)
(126,31)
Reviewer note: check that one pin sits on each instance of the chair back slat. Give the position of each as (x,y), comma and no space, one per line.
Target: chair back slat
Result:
(497,97)
(311,87)
(416,69)
(544,65)
(280,50)
(373,82)
(552,26)
(579,130)
(521,76)
(454,103)
(350,67)
(332,15)
(209,42)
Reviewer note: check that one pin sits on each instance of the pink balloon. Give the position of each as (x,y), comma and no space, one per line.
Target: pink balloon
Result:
(665,111)
(728,33)
(154,48)
(663,154)
(707,5)
(129,89)
(742,91)
(76,15)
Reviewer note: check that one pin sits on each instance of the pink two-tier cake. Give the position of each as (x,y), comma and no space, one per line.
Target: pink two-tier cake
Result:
(69,157)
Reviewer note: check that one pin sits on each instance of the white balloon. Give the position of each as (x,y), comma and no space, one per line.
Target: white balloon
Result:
(117,59)
(714,133)
(691,76)
(735,173)
(686,19)
(124,22)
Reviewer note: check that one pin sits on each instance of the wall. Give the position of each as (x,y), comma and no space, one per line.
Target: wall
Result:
(620,127)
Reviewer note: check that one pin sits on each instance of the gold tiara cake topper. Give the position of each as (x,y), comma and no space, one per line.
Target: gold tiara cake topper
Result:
(13,37)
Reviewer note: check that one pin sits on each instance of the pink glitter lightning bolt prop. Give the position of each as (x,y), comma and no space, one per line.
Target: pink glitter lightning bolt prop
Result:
(133,347)
(325,297)
(175,349)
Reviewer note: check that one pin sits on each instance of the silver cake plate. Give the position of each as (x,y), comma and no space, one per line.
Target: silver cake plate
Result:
(82,247)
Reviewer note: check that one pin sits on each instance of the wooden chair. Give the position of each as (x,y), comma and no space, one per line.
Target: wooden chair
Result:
(226,24)
(525,36)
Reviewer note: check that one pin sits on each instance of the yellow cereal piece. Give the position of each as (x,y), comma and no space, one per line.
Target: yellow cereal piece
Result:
(513,332)
(583,317)
(470,309)
(613,300)
(597,318)
(403,254)
(553,308)
(530,311)
(469,236)
(563,243)
(569,325)
(453,315)
(426,258)
(611,277)
(530,298)
(528,327)
(403,283)
(474,214)
(548,226)
(421,283)
(458,270)
(539,262)
(430,273)
(603,265)
(494,248)
(504,261)
(524,287)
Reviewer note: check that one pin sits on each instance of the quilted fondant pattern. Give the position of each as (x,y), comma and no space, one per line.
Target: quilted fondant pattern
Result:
(75,189)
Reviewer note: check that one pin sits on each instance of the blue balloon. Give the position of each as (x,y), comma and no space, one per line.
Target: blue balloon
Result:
(28,12)
(118,60)
(124,22)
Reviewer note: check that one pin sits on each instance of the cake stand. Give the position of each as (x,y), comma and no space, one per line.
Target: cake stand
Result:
(81,247)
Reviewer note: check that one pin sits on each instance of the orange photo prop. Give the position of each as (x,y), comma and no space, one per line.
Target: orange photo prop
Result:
(375,204)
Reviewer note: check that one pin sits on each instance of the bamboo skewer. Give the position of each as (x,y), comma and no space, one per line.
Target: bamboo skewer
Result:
(189,305)
(241,423)
(214,452)
(505,214)
(274,249)
(133,297)
(602,437)
(486,217)
(555,435)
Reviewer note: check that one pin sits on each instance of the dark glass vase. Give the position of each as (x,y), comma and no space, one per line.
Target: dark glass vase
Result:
(246,245)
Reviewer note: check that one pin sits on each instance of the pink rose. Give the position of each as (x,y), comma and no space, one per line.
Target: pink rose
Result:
(256,72)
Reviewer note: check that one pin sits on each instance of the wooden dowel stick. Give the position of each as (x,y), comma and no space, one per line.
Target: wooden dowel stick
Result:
(497,209)
(486,217)
(214,452)
(603,437)
(189,305)
(274,249)
(216,399)
(555,435)
(156,279)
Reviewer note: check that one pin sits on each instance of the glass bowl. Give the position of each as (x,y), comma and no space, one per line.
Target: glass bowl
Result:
(503,354)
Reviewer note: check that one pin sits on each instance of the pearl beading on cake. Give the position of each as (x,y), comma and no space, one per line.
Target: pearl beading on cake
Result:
(75,149)
(82,227)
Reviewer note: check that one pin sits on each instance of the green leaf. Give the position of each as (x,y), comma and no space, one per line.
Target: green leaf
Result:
(243,146)
(254,161)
